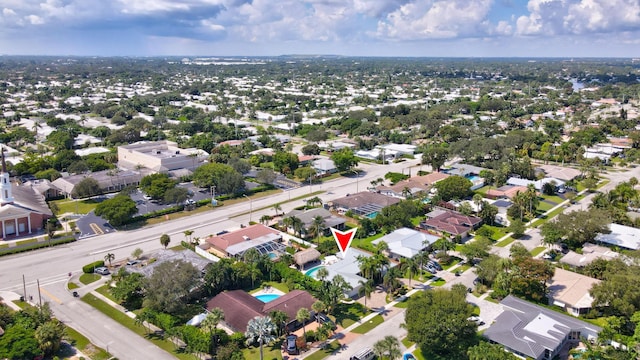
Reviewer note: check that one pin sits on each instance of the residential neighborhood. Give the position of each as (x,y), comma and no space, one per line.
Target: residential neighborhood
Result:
(182,208)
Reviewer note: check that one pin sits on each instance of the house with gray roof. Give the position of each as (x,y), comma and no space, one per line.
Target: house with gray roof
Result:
(330,220)
(406,243)
(622,236)
(531,331)
(348,267)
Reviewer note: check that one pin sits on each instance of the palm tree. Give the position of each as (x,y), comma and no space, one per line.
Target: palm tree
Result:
(264,219)
(280,318)
(296,225)
(366,265)
(314,201)
(260,329)
(409,264)
(317,227)
(277,208)
(109,257)
(388,347)
(406,192)
(477,200)
(532,196)
(302,316)
(322,274)
(187,235)
(210,325)
(318,307)
(165,240)
(366,288)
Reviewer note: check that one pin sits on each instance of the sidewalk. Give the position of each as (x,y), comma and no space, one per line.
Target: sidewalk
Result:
(386,309)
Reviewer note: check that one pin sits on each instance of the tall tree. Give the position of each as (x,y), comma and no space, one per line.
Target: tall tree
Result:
(117,210)
(109,258)
(165,240)
(210,325)
(303,316)
(260,329)
(437,320)
(387,348)
(169,285)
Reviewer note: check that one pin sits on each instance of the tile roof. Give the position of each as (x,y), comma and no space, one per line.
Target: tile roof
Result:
(452,222)
(571,288)
(224,241)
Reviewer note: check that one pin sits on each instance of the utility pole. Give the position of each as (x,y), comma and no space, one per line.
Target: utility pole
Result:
(24,288)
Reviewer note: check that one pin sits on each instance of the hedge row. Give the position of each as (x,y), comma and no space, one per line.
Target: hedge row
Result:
(33,246)
(90,268)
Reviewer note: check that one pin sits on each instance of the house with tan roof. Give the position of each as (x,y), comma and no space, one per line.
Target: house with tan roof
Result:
(570,291)
(403,189)
(264,239)
(505,192)
(590,252)
(431,178)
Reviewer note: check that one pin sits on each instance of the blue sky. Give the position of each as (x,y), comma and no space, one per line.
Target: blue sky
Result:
(474,28)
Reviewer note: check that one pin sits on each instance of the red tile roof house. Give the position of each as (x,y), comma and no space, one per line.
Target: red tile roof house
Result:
(235,243)
(240,307)
(450,222)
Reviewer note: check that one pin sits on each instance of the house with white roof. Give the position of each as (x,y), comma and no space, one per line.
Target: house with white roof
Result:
(538,184)
(406,243)
(348,267)
(622,236)
(324,167)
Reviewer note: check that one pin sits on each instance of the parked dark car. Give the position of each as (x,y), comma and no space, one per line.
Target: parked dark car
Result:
(435,264)
(324,319)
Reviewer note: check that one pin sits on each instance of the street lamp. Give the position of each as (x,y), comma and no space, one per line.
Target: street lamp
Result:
(250,206)
(357,178)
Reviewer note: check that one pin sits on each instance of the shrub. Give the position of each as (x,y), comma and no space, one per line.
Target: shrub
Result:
(89,268)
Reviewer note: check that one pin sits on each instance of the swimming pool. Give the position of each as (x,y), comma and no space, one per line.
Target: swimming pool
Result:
(372,215)
(265,298)
(473,178)
(273,256)
(312,272)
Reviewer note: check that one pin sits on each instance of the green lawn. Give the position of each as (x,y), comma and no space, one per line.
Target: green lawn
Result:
(89,278)
(83,344)
(28,241)
(547,217)
(505,242)
(347,314)
(416,220)
(483,190)
(322,353)
(554,198)
(454,261)
(104,291)
(271,352)
(369,325)
(365,243)
(464,267)
(537,250)
(498,231)
(544,207)
(129,323)
(72,285)
(76,207)
(438,282)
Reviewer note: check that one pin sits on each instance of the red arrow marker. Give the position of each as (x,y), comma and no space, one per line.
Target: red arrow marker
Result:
(344,238)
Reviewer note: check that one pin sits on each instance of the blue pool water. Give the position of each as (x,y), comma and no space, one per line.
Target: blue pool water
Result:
(272,256)
(372,215)
(312,272)
(265,298)
(473,177)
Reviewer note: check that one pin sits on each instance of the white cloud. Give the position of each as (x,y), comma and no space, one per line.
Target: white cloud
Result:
(34,19)
(8,12)
(424,19)
(554,17)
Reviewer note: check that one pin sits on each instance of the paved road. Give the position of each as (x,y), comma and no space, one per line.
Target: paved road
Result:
(51,266)
(390,326)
